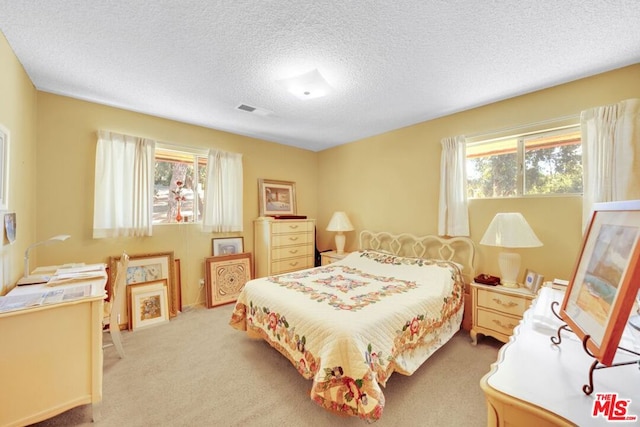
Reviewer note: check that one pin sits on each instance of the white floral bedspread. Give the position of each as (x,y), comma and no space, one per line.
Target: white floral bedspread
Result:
(351,324)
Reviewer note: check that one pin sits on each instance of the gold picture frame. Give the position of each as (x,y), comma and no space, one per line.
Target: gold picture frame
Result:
(146,268)
(227,246)
(606,278)
(226,276)
(147,304)
(276,197)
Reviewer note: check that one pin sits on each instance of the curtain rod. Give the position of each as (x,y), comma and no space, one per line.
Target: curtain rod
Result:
(575,117)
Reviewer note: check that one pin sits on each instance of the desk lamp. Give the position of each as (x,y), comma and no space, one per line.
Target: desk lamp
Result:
(340,222)
(26,278)
(510,230)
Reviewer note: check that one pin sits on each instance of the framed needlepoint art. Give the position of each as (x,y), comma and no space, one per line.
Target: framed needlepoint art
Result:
(606,278)
(226,275)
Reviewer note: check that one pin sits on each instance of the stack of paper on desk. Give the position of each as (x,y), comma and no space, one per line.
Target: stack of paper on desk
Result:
(21,301)
(77,274)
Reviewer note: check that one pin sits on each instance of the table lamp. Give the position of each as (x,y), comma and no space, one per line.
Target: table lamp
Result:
(510,230)
(27,278)
(340,222)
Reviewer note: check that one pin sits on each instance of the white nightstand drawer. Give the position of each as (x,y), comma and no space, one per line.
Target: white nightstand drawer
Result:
(497,322)
(509,304)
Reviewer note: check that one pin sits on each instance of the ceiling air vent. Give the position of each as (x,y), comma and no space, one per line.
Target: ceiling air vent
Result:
(254,110)
(245,107)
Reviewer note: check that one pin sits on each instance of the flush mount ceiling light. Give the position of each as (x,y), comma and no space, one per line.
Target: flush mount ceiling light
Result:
(309,85)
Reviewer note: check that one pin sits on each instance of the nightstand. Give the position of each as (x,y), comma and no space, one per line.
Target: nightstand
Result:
(331,256)
(496,310)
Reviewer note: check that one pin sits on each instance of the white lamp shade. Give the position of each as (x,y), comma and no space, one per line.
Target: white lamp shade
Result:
(339,222)
(510,230)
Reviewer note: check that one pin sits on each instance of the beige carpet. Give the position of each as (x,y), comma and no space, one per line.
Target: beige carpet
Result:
(197,370)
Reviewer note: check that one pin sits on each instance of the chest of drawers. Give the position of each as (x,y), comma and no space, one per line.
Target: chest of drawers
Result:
(283,245)
(497,310)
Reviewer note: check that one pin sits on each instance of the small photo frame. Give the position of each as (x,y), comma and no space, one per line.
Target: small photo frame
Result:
(148,305)
(227,246)
(226,276)
(276,197)
(532,281)
(606,278)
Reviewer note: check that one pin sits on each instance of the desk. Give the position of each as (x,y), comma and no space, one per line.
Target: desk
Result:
(536,383)
(51,356)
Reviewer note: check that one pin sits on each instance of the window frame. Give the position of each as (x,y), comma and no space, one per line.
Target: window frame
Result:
(521,135)
(198,158)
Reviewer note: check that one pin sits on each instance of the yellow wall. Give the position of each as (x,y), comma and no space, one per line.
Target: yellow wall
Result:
(391,181)
(66,156)
(18,116)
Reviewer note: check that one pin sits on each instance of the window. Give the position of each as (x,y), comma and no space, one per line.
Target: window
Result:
(173,166)
(536,163)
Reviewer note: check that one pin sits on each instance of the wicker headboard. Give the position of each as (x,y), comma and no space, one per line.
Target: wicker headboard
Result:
(458,249)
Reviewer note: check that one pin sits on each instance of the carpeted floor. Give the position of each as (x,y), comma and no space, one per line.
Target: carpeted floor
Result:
(197,370)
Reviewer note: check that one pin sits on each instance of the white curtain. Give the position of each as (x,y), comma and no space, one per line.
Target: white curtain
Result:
(610,154)
(124,178)
(223,193)
(453,216)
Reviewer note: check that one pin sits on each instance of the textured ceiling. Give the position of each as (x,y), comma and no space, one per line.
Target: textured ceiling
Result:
(390,63)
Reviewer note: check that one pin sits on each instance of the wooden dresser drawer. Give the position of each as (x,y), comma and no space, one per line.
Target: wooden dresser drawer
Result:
(509,304)
(282,246)
(291,252)
(292,239)
(292,227)
(292,264)
(497,322)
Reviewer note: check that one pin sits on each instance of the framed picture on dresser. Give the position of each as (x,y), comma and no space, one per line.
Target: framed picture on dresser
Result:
(276,197)
(606,278)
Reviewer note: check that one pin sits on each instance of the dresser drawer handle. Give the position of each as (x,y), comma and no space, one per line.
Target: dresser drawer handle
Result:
(293,251)
(293,238)
(509,305)
(293,264)
(294,226)
(503,326)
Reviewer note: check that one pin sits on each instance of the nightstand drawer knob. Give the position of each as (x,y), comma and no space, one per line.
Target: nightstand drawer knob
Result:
(293,251)
(293,264)
(508,305)
(293,226)
(293,239)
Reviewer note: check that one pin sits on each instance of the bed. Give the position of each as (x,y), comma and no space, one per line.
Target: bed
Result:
(349,325)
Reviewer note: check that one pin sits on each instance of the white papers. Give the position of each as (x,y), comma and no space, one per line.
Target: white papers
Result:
(77,274)
(49,296)
(80,269)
